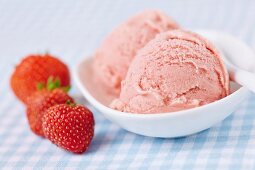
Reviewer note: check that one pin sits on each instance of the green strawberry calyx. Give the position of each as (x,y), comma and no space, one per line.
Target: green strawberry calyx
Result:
(53,83)
(69,103)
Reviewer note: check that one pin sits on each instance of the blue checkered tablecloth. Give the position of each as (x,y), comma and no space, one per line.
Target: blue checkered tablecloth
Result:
(72,30)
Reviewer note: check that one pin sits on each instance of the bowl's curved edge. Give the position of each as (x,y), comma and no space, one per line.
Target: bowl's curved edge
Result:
(112,115)
(97,104)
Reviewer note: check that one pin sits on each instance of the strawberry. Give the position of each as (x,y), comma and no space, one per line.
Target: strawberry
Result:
(69,126)
(39,102)
(35,69)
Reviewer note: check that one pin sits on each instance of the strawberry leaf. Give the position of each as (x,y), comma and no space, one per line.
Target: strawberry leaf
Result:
(69,103)
(50,80)
(66,88)
(53,84)
(57,82)
(40,86)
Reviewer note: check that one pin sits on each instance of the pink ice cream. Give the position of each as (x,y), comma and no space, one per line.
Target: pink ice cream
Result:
(113,57)
(175,71)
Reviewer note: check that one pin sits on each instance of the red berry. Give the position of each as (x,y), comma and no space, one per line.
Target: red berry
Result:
(36,69)
(39,102)
(70,127)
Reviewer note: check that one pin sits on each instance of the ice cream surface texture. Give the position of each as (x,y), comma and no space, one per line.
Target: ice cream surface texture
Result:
(113,57)
(175,71)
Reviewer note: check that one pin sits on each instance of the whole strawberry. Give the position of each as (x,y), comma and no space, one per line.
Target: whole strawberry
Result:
(39,102)
(36,69)
(69,126)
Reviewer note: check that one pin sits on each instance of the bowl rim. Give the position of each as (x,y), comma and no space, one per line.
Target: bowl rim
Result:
(99,106)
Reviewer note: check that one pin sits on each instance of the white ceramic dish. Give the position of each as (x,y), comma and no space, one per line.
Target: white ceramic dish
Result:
(166,125)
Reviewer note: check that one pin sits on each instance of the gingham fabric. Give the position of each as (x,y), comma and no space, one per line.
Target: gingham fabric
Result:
(72,30)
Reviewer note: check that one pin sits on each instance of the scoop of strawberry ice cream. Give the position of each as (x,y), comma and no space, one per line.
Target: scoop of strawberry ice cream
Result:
(113,57)
(177,70)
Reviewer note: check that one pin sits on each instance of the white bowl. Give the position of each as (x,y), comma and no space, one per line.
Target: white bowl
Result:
(165,125)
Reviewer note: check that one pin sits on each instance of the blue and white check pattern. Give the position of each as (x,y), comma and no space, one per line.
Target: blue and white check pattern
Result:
(72,30)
